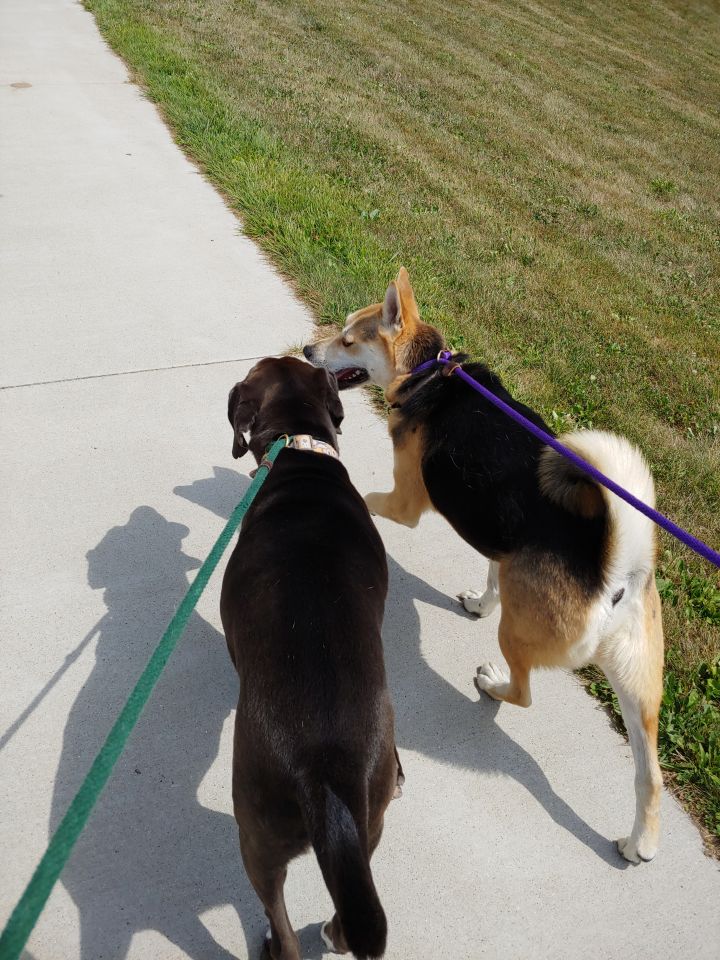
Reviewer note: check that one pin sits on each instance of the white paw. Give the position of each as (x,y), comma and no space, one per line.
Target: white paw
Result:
(325,934)
(489,677)
(481,604)
(636,851)
(374,501)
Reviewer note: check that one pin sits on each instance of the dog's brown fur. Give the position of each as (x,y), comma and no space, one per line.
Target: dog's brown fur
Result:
(314,760)
(573,566)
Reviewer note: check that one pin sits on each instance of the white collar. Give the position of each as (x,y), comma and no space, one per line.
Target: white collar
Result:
(303,441)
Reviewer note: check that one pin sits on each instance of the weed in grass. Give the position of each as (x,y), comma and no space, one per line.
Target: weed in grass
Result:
(662,187)
(588,210)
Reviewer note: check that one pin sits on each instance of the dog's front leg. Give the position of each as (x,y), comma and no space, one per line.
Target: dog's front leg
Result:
(394,507)
(409,500)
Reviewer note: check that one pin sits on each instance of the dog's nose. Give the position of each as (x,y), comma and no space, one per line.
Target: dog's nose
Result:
(307,352)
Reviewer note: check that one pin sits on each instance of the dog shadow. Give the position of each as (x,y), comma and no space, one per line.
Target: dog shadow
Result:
(454,728)
(153,857)
(451,727)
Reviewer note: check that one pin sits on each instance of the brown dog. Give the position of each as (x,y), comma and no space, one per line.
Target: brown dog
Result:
(302,605)
(571,564)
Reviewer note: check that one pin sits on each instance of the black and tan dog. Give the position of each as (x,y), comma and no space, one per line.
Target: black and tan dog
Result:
(302,605)
(571,564)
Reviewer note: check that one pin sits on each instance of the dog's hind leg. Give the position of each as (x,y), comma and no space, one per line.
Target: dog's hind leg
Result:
(268,878)
(494,681)
(409,500)
(634,668)
(483,604)
(641,722)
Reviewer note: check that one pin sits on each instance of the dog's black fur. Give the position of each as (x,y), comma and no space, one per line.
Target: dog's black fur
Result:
(302,606)
(480,469)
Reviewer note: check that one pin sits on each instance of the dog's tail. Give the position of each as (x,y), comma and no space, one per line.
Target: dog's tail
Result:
(631,535)
(342,854)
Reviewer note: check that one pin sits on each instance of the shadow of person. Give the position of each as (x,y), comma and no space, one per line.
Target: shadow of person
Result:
(432,716)
(153,857)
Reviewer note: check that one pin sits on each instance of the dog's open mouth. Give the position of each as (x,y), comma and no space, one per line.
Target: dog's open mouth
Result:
(351,377)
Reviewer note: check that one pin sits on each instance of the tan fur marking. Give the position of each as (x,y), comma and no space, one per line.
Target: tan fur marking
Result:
(412,348)
(650,725)
(391,392)
(357,319)
(544,611)
(409,499)
(649,794)
(568,486)
(519,658)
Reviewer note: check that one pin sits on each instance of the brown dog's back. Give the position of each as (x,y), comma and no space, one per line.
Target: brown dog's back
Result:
(302,606)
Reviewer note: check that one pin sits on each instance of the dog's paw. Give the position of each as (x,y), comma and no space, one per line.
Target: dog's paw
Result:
(327,939)
(636,851)
(374,502)
(481,604)
(384,505)
(492,680)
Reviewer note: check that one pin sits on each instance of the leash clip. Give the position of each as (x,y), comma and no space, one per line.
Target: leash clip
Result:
(269,463)
(448,367)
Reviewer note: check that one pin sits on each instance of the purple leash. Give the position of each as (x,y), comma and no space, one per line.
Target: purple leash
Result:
(445,357)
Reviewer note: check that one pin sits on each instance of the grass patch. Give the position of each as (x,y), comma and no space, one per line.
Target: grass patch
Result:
(548,174)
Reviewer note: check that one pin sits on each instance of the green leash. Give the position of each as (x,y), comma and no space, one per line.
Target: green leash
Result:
(26,913)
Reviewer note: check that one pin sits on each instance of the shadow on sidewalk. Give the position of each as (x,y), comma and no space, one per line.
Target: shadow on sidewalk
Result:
(432,717)
(153,857)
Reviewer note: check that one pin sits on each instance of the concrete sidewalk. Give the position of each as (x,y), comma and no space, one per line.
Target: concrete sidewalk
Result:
(130,306)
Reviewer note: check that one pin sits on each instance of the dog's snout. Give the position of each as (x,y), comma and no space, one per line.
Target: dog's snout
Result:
(307,351)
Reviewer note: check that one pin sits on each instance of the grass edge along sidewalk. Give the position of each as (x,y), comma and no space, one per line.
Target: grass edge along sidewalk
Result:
(320,231)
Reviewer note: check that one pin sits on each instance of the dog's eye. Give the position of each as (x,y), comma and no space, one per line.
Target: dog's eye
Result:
(348,342)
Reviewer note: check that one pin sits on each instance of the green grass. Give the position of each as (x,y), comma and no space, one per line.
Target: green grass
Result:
(547,172)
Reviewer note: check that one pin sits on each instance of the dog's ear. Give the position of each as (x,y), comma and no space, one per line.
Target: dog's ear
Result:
(408,303)
(332,398)
(399,309)
(241,413)
(392,319)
